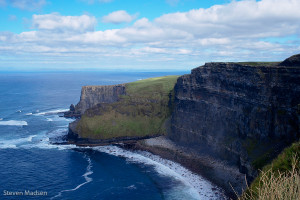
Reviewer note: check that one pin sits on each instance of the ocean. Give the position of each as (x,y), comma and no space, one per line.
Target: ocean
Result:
(33,167)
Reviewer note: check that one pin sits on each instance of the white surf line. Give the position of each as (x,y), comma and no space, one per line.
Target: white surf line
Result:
(13,123)
(50,112)
(197,186)
(12,143)
(85,175)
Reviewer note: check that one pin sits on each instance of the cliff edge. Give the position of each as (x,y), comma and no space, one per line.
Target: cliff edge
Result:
(93,95)
(242,113)
(123,112)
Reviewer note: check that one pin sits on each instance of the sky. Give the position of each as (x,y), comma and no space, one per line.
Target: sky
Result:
(156,35)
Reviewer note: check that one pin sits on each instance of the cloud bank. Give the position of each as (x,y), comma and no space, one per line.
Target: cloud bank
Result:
(240,30)
(56,22)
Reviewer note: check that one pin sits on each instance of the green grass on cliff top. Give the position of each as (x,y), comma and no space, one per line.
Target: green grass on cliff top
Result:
(141,112)
(150,86)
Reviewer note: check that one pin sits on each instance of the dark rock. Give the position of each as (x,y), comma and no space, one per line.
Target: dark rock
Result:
(72,135)
(291,61)
(72,108)
(238,113)
(94,95)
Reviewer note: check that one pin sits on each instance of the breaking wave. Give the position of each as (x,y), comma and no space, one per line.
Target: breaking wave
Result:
(51,112)
(12,143)
(13,123)
(193,186)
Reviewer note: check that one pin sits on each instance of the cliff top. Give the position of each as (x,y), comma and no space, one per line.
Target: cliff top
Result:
(101,86)
(150,86)
(292,61)
(140,112)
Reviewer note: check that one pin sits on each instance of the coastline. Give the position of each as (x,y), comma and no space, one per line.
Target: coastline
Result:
(216,171)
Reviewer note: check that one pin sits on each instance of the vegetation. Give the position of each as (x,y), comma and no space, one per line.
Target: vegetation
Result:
(279,180)
(141,112)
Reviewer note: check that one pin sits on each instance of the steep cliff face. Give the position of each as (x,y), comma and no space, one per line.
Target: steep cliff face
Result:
(93,95)
(241,113)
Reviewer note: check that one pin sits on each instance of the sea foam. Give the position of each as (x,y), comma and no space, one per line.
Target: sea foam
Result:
(13,123)
(51,112)
(193,185)
(13,143)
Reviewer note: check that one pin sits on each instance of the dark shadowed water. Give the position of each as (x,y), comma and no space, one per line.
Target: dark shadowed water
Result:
(29,103)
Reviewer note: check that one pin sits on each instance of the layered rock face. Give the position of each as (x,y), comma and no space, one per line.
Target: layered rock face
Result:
(93,95)
(240,113)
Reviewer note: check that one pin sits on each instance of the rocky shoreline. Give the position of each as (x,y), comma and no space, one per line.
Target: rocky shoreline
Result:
(216,171)
(220,173)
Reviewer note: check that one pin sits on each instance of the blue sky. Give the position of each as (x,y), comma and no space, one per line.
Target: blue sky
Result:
(154,35)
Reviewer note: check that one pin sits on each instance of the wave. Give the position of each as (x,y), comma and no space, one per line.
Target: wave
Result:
(42,140)
(57,118)
(13,123)
(49,140)
(12,143)
(1,119)
(51,112)
(28,114)
(193,185)
(8,146)
(85,175)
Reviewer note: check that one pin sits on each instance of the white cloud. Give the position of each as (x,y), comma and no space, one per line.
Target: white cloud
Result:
(56,22)
(238,19)
(28,4)
(234,31)
(118,17)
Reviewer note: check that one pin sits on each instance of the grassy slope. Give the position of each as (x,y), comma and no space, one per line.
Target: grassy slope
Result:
(279,166)
(141,112)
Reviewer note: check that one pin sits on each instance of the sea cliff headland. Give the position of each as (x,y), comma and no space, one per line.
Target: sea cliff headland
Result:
(223,121)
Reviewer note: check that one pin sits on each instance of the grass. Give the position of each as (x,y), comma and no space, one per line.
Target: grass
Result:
(141,112)
(279,180)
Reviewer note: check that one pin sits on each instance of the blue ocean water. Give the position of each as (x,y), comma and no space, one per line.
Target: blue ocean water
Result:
(29,161)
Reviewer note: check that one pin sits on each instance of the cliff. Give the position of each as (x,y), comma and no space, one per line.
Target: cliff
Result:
(239,115)
(242,113)
(121,112)
(93,95)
